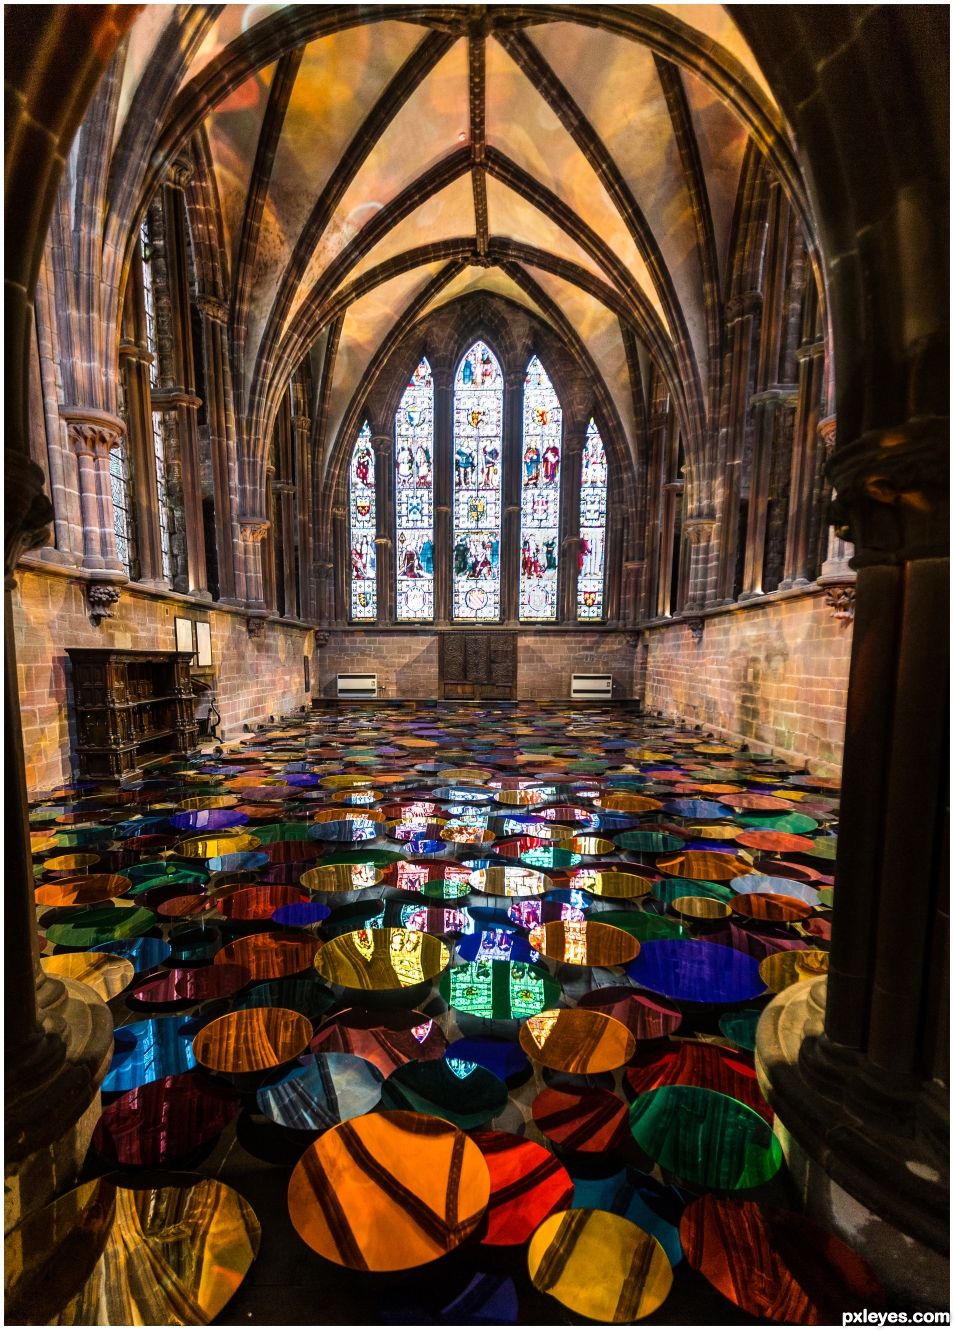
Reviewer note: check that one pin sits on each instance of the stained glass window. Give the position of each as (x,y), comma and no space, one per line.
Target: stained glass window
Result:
(162,494)
(364,527)
(149,303)
(478,420)
(589,588)
(414,497)
(120,485)
(540,496)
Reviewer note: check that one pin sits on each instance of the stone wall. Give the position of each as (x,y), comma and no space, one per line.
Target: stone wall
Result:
(407,663)
(774,675)
(254,678)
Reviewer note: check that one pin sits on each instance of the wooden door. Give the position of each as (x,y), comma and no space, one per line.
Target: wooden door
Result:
(478,665)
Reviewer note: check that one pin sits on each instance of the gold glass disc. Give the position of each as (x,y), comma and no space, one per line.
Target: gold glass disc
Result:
(382,959)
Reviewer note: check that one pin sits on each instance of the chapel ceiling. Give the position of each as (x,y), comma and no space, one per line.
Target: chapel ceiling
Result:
(370,170)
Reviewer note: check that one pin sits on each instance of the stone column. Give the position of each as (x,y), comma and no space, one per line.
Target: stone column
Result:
(92,433)
(253,532)
(383,446)
(182,397)
(511,462)
(215,317)
(742,316)
(856,1066)
(58,1036)
(838,552)
(284,491)
(301,445)
(803,490)
(698,530)
(617,544)
(341,564)
(570,525)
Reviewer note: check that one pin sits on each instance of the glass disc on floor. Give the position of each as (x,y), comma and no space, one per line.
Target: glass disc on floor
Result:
(388,1039)
(599,1265)
(691,971)
(101,971)
(499,990)
(584,942)
(527,1184)
(704,1138)
(577,1040)
(320,1091)
(202,1237)
(459,1091)
(388,1191)
(382,959)
(160,1122)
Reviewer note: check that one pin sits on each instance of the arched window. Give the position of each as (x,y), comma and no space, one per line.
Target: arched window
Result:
(414,498)
(363,511)
(589,587)
(478,435)
(540,496)
(120,483)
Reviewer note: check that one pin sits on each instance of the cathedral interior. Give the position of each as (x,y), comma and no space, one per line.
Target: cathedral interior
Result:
(476,663)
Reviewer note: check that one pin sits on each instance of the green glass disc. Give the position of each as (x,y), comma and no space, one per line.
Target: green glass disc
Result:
(704,1138)
(670,889)
(649,842)
(107,923)
(499,990)
(642,925)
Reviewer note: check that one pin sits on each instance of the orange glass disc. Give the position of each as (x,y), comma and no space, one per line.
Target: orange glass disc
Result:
(578,942)
(269,955)
(254,1039)
(577,1040)
(772,907)
(104,973)
(784,968)
(388,1191)
(627,803)
(349,815)
(779,842)
(382,959)
(67,863)
(701,907)
(704,866)
(87,890)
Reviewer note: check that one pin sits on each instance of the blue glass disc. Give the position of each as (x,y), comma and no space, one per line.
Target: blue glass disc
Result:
(693,971)
(504,1059)
(146,1051)
(239,861)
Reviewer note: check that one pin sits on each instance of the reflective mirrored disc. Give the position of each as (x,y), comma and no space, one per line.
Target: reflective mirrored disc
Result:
(320,1091)
(422,1166)
(104,973)
(693,1062)
(382,959)
(577,1040)
(499,990)
(202,1237)
(704,1138)
(599,1265)
(388,1039)
(464,1093)
(252,1040)
(527,1184)
(645,1017)
(692,971)
(775,1264)
(513,882)
(585,942)
(147,1051)
(269,955)
(161,1122)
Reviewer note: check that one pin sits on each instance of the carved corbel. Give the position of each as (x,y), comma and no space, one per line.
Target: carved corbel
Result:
(841,601)
(213,308)
(255,625)
(254,529)
(697,627)
(100,599)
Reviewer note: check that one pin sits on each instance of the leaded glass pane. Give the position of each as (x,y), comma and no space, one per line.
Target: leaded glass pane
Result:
(414,497)
(162,494)
(122,517)
(589,587)
(478,421)
(364,526)
(149,302)
(540,496)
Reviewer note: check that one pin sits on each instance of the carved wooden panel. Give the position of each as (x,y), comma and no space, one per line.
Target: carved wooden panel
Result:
(478,665)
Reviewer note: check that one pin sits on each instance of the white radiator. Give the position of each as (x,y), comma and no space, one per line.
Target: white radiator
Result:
(357,685)
(597,687)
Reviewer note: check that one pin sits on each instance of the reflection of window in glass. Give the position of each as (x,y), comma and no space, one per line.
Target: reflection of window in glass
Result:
(162,494)
(540,472)
(478,419)
(414,497)
(363,512)
(121,487)
(589,587)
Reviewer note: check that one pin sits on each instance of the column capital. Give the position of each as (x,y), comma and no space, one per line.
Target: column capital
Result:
(698,529)
(749,302)
(92,431)
(214,309)
(827,430)
(167,399)
(302,424)
(179,172)
(282,487)
(254,529)
(382,444)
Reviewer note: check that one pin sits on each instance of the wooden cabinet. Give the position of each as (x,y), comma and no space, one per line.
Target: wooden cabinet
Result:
(480,664)
(129,710)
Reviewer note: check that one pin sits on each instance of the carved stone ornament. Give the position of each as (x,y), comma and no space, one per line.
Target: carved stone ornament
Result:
(213,308)
(254,529)
(28,513)
(92,432)
(841,601)
(100,598)
(322,639)
(697,627)
(256,627)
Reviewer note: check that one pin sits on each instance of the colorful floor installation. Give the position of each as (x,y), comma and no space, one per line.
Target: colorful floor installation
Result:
(438,1016)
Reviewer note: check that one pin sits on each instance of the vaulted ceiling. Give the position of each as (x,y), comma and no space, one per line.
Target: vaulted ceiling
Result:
(372,163)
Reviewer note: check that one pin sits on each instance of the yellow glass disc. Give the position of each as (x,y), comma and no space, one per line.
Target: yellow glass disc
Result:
(599,1265)
(382,959)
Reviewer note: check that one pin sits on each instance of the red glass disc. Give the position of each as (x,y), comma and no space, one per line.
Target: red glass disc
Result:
(527,1184)
(589,1121)
(164,1120)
